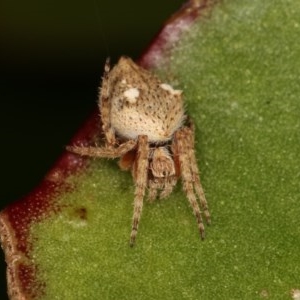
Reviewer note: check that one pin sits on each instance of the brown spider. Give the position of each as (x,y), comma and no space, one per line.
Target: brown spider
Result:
(143,122)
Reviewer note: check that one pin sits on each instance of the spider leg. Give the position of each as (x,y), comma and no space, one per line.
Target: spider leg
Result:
(184,152)
(109,152)
(104,105)
(196,174)
(140,174)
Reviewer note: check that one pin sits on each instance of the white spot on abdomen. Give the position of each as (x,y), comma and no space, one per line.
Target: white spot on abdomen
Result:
(170,89)
(131,95)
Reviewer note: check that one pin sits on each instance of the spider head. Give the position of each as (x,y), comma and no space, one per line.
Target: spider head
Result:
(162,164)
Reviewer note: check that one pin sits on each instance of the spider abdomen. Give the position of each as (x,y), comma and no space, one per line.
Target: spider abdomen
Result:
(139,109)
(130,124)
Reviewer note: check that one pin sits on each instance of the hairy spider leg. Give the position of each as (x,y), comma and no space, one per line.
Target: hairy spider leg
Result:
(108,152)
(140,175)
(196,174)
(183,153)
(104,106)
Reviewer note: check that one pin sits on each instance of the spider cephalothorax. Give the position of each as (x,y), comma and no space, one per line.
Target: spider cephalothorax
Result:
(145,125)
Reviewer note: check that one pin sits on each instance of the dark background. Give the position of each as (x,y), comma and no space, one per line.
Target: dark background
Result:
(51,61)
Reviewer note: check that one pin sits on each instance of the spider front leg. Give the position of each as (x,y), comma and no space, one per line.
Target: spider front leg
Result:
(195,172)
(140,176)
(184,153)
(109,152)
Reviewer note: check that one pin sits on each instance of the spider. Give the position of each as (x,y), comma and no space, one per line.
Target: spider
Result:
(145,125)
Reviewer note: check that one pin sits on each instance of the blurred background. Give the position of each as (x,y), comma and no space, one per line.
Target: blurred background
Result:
(51,60)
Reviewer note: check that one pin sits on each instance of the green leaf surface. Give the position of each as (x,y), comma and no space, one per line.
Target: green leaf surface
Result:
(240,71)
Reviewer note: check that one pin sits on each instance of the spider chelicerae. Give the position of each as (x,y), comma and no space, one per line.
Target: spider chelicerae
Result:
(145,125)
